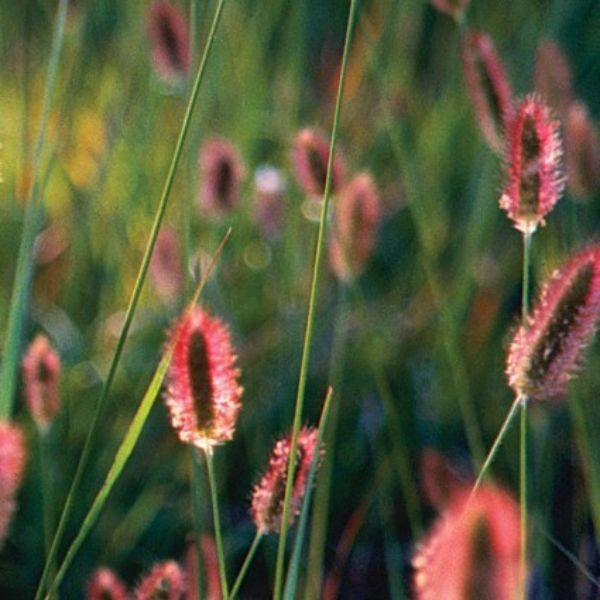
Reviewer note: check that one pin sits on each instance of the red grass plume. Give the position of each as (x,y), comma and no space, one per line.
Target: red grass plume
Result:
(269,189)
(268,494)
(165,581)
(488,87)
(166,270)
(553,80)
(355,227)
(545,352)
(582,152)
(533,156)
(12,463)
(221,174)
(310,156)
(41,372)
(105,585)
(203,394)
(472,550)
(440,480)
(169,41)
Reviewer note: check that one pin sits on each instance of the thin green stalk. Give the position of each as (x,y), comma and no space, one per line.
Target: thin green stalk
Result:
(24,268)
(244,569)
(496,445)
(216,523)
(126,447)
(279,568)
(523,433)
(85,454)
(196,516)
(45,485)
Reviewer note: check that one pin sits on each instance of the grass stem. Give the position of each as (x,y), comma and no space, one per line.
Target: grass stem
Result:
(245,565)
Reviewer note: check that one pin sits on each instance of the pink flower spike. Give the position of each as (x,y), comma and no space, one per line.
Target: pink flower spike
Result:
(553,80)
(582,152)
(221,173)
(203,394)
(169,41)
(488,87)
(268,494)
(165,581)
(41,371)
(105,585)
(269,188)
(166,270)
(12,463)
(310,155)
(472,551)
(355,227)
(545,352)
(533,156)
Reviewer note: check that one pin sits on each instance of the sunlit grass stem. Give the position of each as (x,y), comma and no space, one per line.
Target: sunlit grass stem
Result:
(245,565)
(279,567)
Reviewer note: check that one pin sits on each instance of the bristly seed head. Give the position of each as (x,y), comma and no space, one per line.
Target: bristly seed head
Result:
(310,156)
(533,157)
(169,41)
(165,581)
(472,551)
(545,352)
(268,494)
(105,585)
(221,174)
(488,87)
(41,372)
(203,394)
(355,226)
(12,463)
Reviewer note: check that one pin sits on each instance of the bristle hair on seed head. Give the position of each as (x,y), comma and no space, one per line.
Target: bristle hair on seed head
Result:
(165,581)
(547,350)
(169,42)
(103,584)
(354,230)
(472,550)
(534,181)
(310,157)
(488,87)
(41,372)
(202,392)
(12,464)
(221,174)
(268,494)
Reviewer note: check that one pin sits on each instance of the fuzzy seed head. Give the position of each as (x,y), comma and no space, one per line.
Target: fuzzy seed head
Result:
(221,174)
(203,394)
(169,43)
(472,551)
(269,188)
(166,269)
(546,351)
(165,581)
(533,156)
(268,494)
(354,231)
(310,156)
(105,585)
(553,79)
(582,152)
(41,372)
(488,87)
(12,463)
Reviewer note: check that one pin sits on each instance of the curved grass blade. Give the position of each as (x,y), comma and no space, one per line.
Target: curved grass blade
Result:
(278,587)
(294,566)
(129,441)
(24,269)
(160,211)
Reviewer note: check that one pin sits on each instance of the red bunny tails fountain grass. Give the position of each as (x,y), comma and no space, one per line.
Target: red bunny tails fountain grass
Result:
(165,581)
(12,463)
(267,496)
(203,393)
(472,550)
(105,585)
(488,87)
(41,372)
(547,348)
(533,155)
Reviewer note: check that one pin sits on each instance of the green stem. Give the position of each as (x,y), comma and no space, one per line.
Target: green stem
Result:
(216,523)
(85,454)
(526,269)
(24,268)
(197,518)
(279,568)
(244,569)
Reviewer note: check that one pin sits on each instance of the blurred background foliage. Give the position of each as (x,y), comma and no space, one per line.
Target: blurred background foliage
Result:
(440,296)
